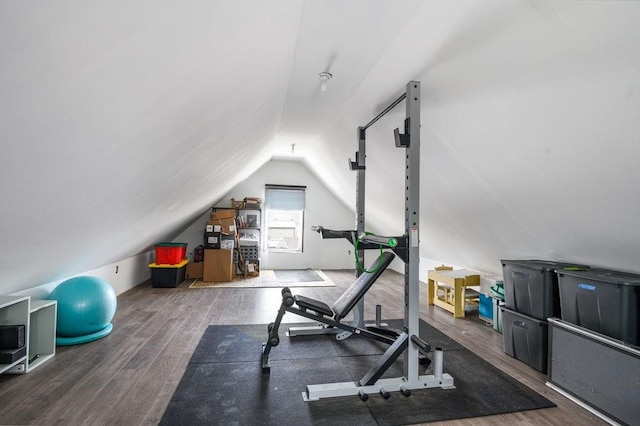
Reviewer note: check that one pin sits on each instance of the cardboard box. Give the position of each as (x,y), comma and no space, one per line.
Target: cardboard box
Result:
(212,240)
(194,270)
(226,226)
(223,214)
(252,203)
(253,268)
(227,241)
(218,265)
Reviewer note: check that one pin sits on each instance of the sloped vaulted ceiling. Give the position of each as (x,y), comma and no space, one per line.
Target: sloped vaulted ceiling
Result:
(120,121)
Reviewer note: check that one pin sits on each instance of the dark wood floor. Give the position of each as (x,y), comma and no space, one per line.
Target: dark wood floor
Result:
(129,377)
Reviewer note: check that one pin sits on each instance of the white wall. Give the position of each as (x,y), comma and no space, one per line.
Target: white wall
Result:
(122,276)
(194,234)
(322,208)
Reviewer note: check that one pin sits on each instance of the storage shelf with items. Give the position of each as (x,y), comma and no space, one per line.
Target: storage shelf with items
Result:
(249,218)
(249,227)
(249,233)
(28,333)
(14,311)
(240,231)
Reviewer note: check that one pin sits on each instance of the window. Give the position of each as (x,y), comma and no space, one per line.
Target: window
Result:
(284,214)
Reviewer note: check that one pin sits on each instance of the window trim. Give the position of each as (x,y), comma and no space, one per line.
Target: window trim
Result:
(268,208)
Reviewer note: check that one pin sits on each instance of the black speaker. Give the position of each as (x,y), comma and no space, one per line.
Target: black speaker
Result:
(8,356)
(11,336)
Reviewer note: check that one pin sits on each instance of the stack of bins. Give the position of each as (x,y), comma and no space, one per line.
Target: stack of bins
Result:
(497,296)
(602,300)
(170,266)
(486,306)
(531,297)
(594,351)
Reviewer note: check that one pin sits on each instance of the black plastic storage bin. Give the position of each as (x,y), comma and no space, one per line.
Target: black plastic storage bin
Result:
(164,276)
(525,338)
(603,301)
(531,286)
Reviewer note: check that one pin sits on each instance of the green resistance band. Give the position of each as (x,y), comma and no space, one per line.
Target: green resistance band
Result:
(392,243)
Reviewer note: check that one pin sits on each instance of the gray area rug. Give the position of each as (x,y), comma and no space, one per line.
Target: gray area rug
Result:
(297,275)
(273,278)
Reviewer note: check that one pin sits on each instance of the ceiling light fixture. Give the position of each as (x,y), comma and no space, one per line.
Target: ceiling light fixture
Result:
(324,77)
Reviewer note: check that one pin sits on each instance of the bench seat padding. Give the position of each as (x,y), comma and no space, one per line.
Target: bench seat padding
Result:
(352,296)
(314,305)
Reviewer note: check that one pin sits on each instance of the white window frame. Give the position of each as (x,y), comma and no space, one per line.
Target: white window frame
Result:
(284,211)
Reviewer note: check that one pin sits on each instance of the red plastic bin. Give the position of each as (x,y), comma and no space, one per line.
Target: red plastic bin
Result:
(170,253)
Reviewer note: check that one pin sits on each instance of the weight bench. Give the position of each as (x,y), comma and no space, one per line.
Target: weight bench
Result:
(331,316)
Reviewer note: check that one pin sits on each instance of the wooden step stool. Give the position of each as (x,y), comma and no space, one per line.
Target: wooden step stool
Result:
(450,290)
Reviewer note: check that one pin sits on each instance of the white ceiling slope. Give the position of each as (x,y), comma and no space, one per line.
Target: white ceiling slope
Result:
(121,122)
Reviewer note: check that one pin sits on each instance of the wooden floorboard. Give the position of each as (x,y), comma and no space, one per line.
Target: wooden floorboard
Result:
(129,377)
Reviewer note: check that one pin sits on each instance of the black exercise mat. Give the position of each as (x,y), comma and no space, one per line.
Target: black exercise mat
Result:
(224,383)
(297,275)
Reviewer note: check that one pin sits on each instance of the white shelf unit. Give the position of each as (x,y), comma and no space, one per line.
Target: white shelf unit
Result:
(39,318)
(249,235)
(42,332)
(14,310)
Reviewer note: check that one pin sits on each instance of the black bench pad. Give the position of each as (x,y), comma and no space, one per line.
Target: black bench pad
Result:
(314,305)
(352,296)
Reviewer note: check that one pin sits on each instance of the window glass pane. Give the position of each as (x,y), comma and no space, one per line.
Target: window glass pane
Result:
(284,214)
(284,230)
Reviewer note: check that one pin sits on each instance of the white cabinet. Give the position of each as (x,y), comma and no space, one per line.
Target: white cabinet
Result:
(42,332)
(14,310)
(39,319)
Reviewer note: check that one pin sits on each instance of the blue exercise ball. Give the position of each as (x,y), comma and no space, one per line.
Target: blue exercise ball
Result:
(86,306)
